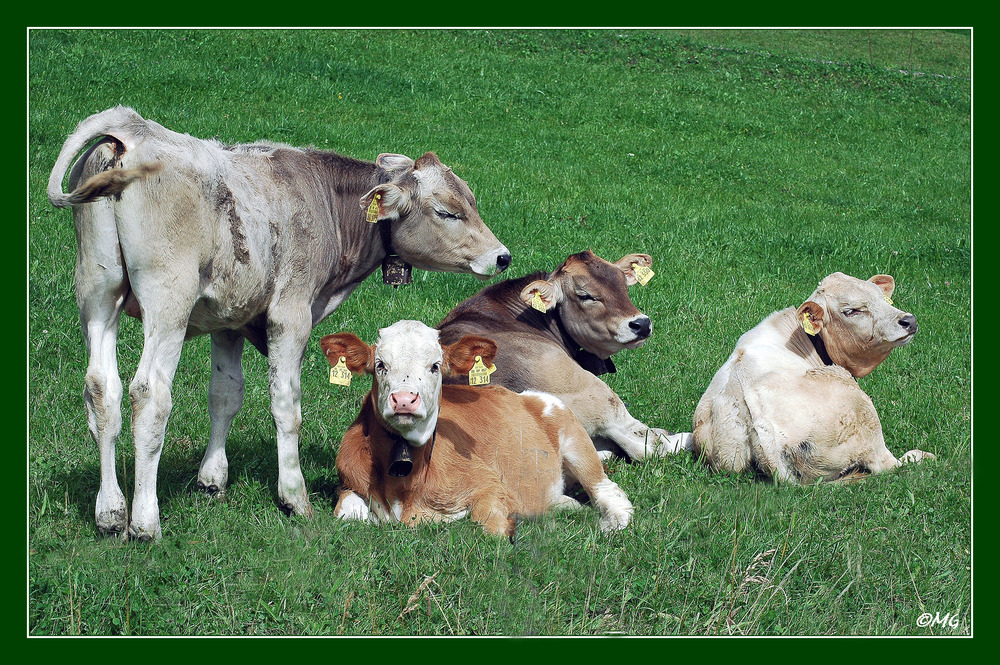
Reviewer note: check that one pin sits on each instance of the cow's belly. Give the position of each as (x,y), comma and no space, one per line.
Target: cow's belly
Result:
(226,308)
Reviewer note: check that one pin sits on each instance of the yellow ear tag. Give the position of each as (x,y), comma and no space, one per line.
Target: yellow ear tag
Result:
(537,302)
(372,214)
(888,299)
(807,324)
(339,374)
(642,273)
(479,375)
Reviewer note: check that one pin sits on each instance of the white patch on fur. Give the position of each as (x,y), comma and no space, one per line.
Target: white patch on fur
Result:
(550,402)
(397,511)
(354,507)
(616,509)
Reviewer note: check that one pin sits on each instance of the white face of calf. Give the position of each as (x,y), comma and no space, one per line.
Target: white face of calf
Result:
(407,363)
(407,387)
(435,221)
(594,305)
(857,321)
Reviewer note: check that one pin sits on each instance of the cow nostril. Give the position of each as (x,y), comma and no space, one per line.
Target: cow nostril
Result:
(503,261)
(909,322)
(640,326)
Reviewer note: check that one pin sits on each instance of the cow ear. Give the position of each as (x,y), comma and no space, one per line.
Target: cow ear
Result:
(811,317)
(625,265)
(461,356)
(394,164)
(884,282)
(389,202)
(358,356)
(542,293)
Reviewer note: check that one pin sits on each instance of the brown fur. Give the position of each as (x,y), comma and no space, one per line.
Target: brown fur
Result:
(496,454)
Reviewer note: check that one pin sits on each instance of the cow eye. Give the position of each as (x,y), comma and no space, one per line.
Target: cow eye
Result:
(852,311)
(380,367)
(435,368)
(584,296)
(447,214)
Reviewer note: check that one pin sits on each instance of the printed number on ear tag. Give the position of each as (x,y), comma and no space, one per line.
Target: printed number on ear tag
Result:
(537,302)
(888,299)
(479,375)
(642,273)
(372,214)
(339,374)
(807,324)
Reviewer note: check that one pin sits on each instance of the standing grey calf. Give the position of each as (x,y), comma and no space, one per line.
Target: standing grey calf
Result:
(257,242)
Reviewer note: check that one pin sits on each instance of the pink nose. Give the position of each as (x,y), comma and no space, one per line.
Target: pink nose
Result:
(404,402)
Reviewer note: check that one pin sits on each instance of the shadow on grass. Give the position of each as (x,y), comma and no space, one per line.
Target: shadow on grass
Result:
(253,459)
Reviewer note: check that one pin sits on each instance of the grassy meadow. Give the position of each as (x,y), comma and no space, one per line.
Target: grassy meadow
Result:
(748,164)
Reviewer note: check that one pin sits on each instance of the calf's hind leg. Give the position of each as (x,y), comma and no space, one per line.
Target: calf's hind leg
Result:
(150,392)
(100,295)
(101,287)
(580,462)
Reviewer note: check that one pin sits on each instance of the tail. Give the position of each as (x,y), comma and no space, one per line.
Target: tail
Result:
(123,124)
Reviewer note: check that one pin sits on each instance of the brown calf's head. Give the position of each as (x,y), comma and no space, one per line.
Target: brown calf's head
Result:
(434,219)
(407,363)
(593,301)
(857,321)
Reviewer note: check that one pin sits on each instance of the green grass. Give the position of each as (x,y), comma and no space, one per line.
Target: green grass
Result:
(748,164)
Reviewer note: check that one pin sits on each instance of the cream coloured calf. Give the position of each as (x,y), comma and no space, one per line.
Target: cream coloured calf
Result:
(787,405)
(422,451)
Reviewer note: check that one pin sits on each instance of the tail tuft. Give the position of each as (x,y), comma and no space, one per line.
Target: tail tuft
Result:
(106,183)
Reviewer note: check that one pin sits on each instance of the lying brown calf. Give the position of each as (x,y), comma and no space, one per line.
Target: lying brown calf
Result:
(581,316)
(786,403)
(422,451)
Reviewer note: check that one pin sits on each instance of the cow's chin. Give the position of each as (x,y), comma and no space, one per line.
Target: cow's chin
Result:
(636,343)
(415,428)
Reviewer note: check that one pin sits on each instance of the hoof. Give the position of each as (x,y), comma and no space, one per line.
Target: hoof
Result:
(113,524)
(142,535)
(213,490)
(301,509)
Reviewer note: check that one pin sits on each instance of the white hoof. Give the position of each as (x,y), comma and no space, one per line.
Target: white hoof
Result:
(671,444)
(914,456)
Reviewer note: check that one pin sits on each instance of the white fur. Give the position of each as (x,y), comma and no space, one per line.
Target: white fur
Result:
(353,507)
(551,402)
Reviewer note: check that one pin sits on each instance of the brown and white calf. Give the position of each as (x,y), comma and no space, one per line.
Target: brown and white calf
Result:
(582,316)
(257,242)
(787,405)
(420,450)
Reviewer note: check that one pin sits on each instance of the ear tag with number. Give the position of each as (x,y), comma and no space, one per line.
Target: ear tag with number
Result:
(479,375)
(537,303)
(372,214)
(339,374)
(888,299)
(807,324)
(642,273)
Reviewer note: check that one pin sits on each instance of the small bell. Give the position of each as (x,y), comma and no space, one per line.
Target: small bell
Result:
(400,463)
(396,271)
